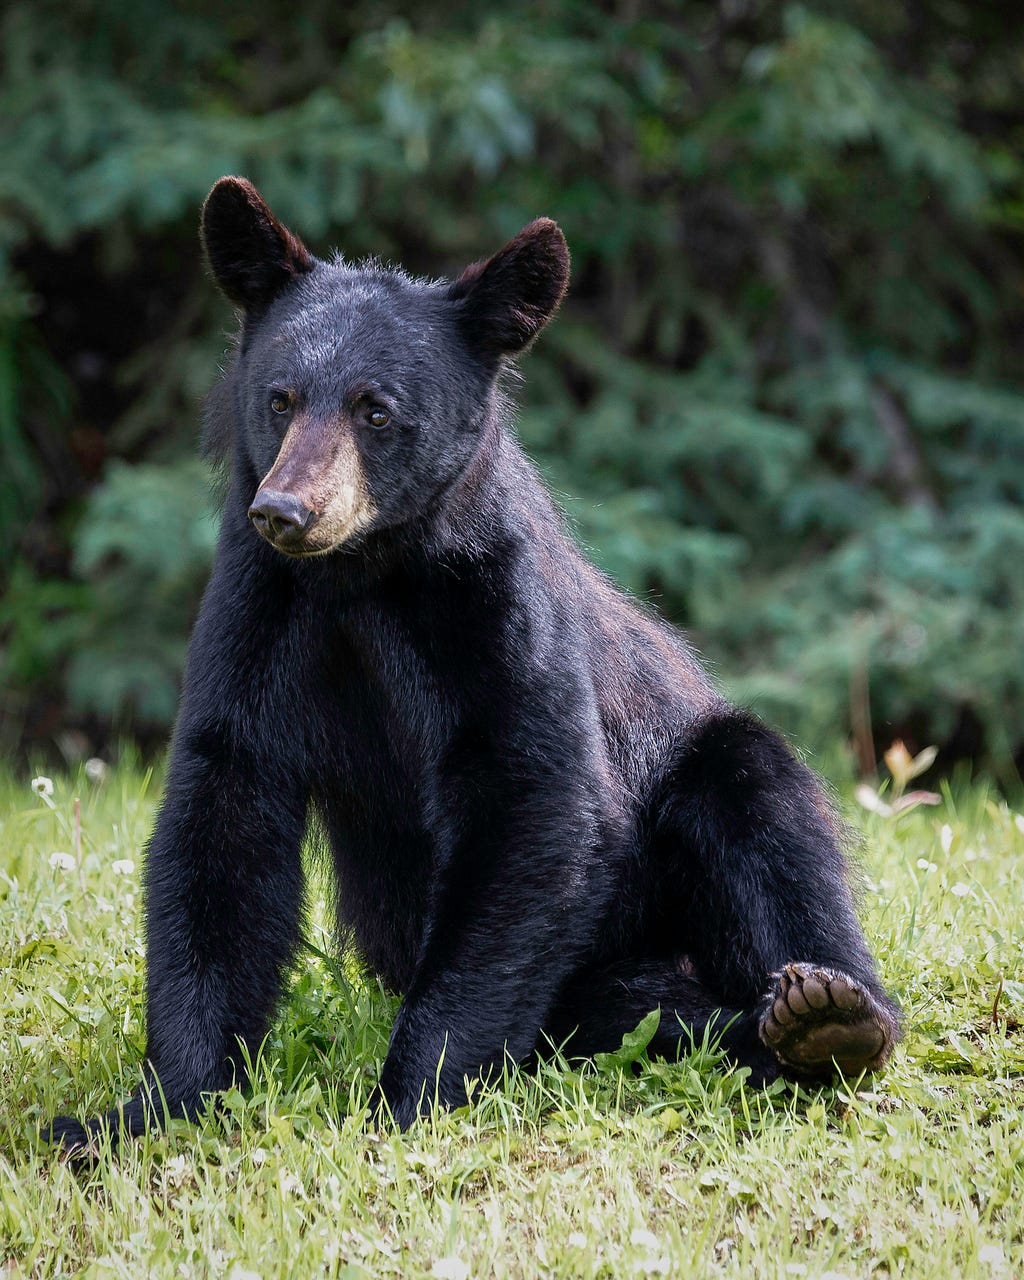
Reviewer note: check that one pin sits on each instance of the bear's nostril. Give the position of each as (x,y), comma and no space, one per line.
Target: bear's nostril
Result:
(281,518)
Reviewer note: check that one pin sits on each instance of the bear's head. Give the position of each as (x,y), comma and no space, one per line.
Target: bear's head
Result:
(360,394)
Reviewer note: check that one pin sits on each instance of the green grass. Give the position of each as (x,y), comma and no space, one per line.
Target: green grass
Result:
(678,1169)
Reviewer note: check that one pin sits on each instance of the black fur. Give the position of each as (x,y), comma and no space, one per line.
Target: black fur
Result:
(542,815)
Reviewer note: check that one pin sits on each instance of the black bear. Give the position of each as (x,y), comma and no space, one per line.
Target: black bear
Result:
(544,820)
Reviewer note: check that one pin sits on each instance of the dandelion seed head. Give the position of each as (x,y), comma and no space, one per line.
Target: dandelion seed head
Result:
(96,770)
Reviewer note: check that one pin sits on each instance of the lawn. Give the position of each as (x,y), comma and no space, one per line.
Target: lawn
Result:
(613,1170)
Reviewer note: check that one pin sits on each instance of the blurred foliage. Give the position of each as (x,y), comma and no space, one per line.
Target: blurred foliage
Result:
(783,400)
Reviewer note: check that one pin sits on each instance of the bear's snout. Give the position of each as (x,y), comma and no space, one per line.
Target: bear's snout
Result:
(281,518)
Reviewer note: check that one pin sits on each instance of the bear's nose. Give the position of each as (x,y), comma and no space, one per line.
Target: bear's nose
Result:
(281,518)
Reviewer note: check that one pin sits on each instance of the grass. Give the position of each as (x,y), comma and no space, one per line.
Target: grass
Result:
(668,1169)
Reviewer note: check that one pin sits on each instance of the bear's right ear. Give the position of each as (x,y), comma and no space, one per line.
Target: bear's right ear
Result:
(505,301)
(252,256)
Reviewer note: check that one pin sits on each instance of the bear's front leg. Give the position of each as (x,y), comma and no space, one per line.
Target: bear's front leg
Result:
(518,906)
(223,888)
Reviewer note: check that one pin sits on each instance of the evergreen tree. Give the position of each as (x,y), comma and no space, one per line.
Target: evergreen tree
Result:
(783,400)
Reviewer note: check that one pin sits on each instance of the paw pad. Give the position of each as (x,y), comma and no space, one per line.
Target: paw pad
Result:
(820,1019)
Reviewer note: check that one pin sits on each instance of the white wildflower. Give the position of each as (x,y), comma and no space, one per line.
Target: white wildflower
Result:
(644,1239)
(259,1156)
(63,861)
(123,867)
(450,1268)
(869,799)
(43,786)
(960,890)
(924,865)
(946,837)
(577,1240)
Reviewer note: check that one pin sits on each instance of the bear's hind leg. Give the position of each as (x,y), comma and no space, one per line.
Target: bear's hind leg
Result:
(750,879)
(598,1006)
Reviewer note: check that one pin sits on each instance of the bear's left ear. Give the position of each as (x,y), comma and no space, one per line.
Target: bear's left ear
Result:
(251,255)
(505,301)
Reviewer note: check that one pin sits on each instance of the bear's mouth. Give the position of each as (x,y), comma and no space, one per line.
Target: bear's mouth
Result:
(298,532)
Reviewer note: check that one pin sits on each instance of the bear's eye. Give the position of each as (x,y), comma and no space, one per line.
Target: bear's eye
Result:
(378,418)
(279,402)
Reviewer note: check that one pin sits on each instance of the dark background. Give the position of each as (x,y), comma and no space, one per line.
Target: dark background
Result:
(784,400)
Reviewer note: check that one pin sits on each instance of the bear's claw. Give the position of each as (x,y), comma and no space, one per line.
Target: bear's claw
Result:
(77,1144)
(818,1020)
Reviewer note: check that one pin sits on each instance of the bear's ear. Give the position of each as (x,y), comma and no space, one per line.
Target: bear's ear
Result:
(505,301)
(251,255)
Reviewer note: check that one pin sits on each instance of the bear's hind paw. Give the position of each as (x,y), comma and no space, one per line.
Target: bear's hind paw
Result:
(818,1020)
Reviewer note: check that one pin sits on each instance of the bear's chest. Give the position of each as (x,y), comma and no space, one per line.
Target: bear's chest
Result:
(381,731)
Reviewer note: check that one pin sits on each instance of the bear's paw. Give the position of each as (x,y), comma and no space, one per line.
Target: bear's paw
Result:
(817,1020)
